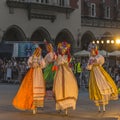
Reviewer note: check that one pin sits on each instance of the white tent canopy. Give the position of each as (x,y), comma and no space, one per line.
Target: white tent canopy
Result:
(102,52)
(115,53)
(82,53)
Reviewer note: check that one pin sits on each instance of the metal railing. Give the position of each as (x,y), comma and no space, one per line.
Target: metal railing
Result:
(98,22)
(65,3)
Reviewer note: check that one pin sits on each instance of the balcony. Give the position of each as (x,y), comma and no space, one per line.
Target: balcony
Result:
(98,22)
(43,5)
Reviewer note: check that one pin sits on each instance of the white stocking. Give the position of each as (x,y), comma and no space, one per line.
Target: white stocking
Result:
(99,108)
(103,108)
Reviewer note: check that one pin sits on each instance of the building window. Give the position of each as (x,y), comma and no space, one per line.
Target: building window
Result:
(93,10)
(67,3)
(44,1)
(54,2)
(61,2)
(103,1)
(107,12)
(117,2)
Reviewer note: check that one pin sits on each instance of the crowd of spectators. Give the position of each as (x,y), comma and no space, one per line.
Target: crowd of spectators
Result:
(112,69)
(12,70)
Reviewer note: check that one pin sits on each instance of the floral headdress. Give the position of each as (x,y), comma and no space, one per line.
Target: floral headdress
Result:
(64,46)
(48,45)
(93,46)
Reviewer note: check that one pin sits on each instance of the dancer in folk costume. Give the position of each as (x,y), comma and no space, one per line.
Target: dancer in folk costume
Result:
(32,90)
(65,87)
(49,60)
(118,86)
(101,86)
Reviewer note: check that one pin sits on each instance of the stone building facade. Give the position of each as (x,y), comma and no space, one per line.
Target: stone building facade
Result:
(100,20)
(35,20)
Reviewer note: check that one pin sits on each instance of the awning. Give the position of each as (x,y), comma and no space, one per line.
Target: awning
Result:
(82,53)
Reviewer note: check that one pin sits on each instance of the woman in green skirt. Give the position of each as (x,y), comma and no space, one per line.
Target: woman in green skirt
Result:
(49,59)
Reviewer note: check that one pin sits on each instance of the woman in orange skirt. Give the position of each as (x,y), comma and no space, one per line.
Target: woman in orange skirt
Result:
(32,90)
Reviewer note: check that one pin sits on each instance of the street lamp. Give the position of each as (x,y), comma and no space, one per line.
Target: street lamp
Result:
(108,41)
(108,45)
(93,42)
(117,41)
(102,42)
(112,41)
(97,41)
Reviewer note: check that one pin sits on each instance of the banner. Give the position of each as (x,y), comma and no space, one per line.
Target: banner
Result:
(25,49)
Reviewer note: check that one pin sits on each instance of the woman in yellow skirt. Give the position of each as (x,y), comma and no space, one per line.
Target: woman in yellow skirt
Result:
(32,90)
(101,86)
(65,86)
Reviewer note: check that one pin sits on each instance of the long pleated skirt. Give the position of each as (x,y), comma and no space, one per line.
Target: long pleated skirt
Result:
(101,86)
(31,92)
(49,76)
(65,88)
